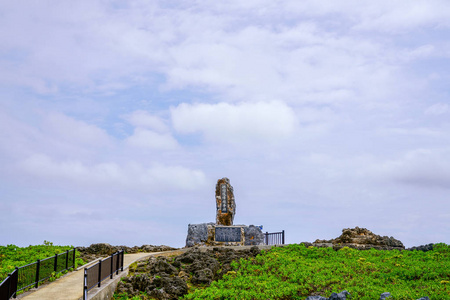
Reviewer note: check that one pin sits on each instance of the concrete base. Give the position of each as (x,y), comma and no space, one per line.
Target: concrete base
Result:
(210,234)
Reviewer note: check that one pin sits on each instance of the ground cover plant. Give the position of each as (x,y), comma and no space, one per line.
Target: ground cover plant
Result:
(12,256)
(297,271)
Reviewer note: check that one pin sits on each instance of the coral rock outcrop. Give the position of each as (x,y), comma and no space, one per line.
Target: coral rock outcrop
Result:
(362,239)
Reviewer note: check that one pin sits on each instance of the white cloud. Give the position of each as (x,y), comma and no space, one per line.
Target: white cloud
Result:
(149,139)
(144,119)
(423,167)
(72,131)
(130,176)
(244,122)
(438,109)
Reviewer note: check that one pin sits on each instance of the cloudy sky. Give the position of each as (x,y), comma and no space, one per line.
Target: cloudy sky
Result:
(118,117)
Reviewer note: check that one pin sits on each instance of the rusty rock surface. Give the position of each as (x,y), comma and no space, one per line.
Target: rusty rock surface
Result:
(225,203)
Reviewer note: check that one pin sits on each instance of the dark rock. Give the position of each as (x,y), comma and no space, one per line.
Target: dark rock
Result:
(424,298)
(203,276)
(423,248)
(174,286)
(361,239)
(225,203)
(140,282)
(164,278)
(385,295)
(316,298)
(341,296)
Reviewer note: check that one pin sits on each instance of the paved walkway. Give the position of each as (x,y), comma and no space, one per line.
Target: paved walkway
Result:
(70,287)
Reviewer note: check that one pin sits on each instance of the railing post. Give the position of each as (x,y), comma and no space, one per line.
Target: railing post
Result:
(267,238)
(283,237)
(56,262)
(74,258)
(99,272)
(67,259)
(38,266)
(9,277)
(112,264)
(15,281)
(85,285)
(117,263)
(121,261)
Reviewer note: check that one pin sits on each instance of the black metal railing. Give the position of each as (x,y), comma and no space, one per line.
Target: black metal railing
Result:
(8,287)
(274,238)
(95,274)
(32,274)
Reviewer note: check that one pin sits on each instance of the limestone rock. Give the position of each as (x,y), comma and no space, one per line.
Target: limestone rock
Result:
(253,236)
(361,238)
(424,248)
(385,295)
(341,296)
(197,234)
(225,204)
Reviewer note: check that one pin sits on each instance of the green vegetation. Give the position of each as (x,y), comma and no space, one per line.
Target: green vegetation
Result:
(295,272)
(12,256)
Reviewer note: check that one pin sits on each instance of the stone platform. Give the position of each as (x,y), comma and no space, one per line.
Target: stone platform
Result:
(211,234)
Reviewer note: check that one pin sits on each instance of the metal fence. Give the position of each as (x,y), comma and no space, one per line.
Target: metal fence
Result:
(95,274)
(32,274)
(274,238)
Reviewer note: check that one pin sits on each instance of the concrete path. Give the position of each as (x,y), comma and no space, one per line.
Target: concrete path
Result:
(70,287)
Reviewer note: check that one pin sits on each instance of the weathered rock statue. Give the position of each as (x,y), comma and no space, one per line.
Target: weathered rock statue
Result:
(361,238)
(225,204)
(224,232)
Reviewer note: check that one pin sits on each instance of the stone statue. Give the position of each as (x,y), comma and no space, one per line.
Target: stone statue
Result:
(225,205)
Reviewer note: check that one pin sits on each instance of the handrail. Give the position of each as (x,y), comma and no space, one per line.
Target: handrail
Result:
(95,274)
(31,274)
(274,238)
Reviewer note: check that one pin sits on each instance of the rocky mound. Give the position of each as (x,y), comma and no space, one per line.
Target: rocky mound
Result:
(95,251)
(424,248)
(361,239)
(168,278)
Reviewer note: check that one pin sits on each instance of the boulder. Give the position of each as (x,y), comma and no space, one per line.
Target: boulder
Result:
(197,234)
(253,236)
(361,239)
(341,296)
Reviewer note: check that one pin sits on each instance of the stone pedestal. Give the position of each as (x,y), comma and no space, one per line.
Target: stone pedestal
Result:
(210,234)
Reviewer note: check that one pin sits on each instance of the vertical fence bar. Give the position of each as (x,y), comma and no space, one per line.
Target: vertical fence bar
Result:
(267,237)
(38,266)
(112,265)
(67,259)
(283,238)
(73,258)
(15,282)
(121,262)
(117,263)
(99,273)
(56,262)
(85,285)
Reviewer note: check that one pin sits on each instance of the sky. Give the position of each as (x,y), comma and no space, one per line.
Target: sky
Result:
(117,118)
